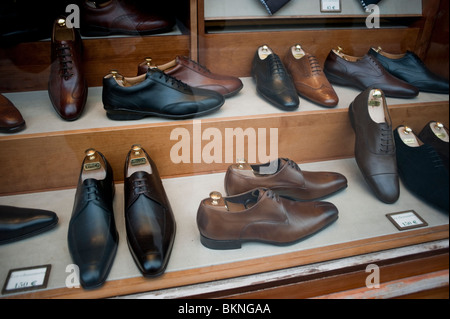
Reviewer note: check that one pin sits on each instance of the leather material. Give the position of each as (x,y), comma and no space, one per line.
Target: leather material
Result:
(196,75)
(273,82)
(288,181)
(261,216)
(442,147)
(375,148)
(423,172)
(17,223)
(272,6)
(92,236)
(365,72)
(11,120)
(156,94)
(309,79)
(149,219)
(67,86)
(410,68)
(123,17)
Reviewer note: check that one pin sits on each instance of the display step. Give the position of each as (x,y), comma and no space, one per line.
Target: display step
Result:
(362,227)
(48,153)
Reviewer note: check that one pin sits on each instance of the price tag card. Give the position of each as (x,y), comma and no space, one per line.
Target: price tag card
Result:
(24,279)
(330,6)
(407,220)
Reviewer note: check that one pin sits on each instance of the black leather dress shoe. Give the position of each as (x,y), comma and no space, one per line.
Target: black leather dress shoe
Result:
(410,68)
(273,82)
(436,135)
(421,169)
(155,94)
(92,235)
(149,219)
(18,223)
(374,144)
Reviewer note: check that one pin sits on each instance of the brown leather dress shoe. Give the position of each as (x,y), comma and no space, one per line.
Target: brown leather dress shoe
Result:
(122,17)
(375,151)
(260,216)
(286,179)
(67,86)
(196,75)
(11,121)
(309,79)
(365,72)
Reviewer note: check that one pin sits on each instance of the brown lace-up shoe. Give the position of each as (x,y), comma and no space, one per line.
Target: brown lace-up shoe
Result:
(259,216)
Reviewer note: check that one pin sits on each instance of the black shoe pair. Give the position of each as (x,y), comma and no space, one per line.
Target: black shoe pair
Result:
(92,236)
(423,162)
(273,82)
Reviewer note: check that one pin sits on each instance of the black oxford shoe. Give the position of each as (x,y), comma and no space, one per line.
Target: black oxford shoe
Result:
(92,236)
(149,220)
(18,223)
(273,82)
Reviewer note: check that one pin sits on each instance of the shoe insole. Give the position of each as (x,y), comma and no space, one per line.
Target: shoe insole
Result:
(408,137)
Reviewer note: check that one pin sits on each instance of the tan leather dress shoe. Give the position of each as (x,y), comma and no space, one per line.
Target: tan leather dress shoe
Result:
(196,75)
(309,79)
(260,216)
(288,180)
(11,121)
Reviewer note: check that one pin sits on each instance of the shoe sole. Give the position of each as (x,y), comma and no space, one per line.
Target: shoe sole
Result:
(126,115)
(237,244)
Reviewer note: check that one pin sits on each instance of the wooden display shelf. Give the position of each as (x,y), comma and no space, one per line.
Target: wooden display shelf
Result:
(46,159)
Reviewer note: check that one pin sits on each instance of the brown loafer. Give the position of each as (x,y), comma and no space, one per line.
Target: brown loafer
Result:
(196,75)
(11,120)
(287,180)
(260,216)
(309,79)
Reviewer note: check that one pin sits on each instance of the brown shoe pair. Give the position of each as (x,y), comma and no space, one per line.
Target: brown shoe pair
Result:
(279,207)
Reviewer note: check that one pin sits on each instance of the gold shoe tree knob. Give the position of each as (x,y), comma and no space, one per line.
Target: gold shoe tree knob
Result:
(90,153)
(215,198)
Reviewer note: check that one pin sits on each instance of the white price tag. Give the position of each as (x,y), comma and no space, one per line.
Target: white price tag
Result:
(26,279)
(407,220)
(330,5)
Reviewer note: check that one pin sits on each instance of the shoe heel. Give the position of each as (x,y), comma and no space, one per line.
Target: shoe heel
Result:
(123,116)
(220,244)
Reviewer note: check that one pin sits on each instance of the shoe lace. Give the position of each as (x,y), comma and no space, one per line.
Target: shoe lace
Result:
(292,164)
(435,158)
(173,81)
(140,186)
(387,140)
(199,67)
(91,191)
(315,66)
(276,66)
(65,59)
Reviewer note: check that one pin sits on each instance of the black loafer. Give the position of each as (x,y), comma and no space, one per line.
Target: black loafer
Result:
(149,219)
(155,94)
(92,236)
(273,82)
(18,223)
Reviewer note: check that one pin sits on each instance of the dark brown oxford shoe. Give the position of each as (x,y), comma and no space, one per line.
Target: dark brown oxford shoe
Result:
(375,151)
(11,120)
(67,86)
(284,177)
